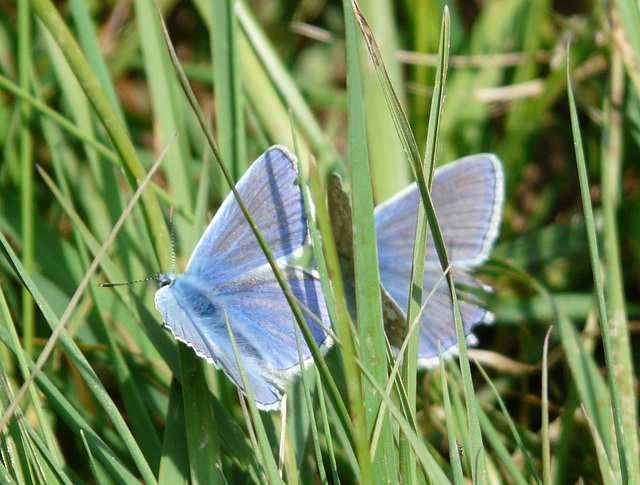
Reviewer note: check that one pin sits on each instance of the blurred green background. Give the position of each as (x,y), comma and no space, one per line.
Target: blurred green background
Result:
(88,93)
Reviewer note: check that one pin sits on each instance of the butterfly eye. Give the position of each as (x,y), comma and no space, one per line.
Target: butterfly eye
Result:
(163,280)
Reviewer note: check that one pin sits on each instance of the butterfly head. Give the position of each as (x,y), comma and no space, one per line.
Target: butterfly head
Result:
(165,279)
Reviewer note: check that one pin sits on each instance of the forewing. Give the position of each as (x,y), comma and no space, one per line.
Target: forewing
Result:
(468,196)
(273,197)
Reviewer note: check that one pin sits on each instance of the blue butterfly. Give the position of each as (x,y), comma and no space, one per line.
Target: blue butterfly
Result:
(468,196)
(229,272)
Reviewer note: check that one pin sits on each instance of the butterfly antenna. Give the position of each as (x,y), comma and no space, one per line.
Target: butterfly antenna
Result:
(111,285)
(173,241)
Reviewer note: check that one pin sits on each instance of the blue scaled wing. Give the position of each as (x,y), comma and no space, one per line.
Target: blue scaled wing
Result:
(468,197)
(261,321)
(272,195)
(228,277)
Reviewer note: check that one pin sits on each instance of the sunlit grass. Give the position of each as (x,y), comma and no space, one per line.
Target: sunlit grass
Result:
(92,96)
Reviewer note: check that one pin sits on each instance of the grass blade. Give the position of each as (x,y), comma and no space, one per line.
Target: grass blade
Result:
(227,83)
(612,156)
(454,454)
(367,276)
(625,461)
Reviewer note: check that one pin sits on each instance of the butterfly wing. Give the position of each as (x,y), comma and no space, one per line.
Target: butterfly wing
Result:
(273,197)
(468,196)
(260,319)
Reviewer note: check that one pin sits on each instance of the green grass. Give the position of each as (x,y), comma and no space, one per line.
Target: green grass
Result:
(91,96)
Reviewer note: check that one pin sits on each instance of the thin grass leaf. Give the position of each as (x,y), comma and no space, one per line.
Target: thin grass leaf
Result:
(174,464)
(454,453)
(513,429)
(227,82)
(496,442)
(95,470)
(399,361)
(5,477)
(271,468)
(287,90)
(24,25)
(629,16)
(365,263)
(55,465)
(167,102)
(354,424)
(544,432)
(252,437)
(314,428)
(369,308)
(430,466)
(407,461)
(63,122)
(13,442)
(327,432)
(265,74)
(201,427)
(609,476)
(618,419)
(612,153)
(388,174)
(87,37)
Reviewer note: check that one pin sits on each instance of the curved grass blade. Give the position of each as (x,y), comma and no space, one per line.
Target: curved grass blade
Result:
(423,455)
(514,432)
(411,149)
(287,90)
(454,453)
(612,156)
(227,81)
(367,276)
(621,441)
(609,476)
(544,433)
(98,475)
(261,435)
(200,421)
(312,419)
